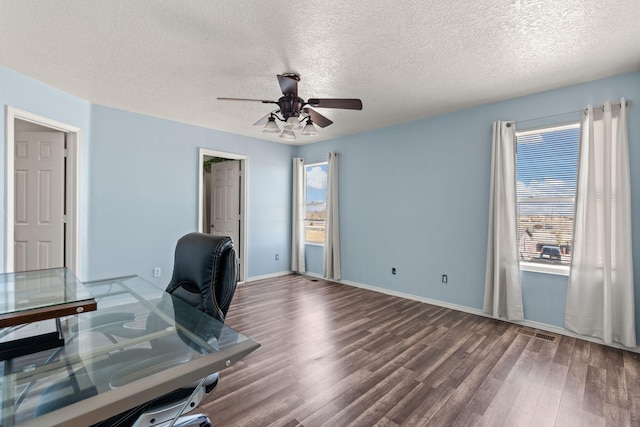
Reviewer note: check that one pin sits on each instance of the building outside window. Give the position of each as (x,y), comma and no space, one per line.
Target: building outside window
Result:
(546,174)
(316,202)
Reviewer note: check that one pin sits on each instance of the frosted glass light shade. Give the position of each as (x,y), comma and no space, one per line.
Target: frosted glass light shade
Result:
(271,126)
(309,129)
(293,124)
(288,134)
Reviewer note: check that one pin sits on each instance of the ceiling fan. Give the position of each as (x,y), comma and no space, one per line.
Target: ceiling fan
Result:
(294,111)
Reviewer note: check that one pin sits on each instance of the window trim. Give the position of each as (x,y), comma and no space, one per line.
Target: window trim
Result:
(560,270)
(313,244)
(548,129)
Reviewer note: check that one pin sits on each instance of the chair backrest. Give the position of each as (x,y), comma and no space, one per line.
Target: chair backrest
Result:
(205,273)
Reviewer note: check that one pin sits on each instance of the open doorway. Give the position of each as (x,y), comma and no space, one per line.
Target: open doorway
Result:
(222,200)
(41,194)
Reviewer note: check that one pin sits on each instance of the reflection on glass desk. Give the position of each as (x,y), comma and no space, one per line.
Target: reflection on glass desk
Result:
(31,296)
(139,344)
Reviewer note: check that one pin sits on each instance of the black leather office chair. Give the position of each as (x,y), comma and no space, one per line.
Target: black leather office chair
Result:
(205,276)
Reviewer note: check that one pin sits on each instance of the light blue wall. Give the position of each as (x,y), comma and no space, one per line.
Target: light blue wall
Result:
(544,297)
(314,258)
(139,184)
(415,197)
(25,93)
(144,193)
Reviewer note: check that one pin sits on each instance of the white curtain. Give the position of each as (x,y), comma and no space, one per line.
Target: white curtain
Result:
(297,217)
(502,291)
(600,300)
(332,235)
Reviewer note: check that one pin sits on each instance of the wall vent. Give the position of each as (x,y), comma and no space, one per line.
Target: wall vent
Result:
(536,333)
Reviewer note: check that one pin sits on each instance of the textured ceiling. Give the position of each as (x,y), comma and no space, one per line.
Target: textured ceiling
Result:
(405,59)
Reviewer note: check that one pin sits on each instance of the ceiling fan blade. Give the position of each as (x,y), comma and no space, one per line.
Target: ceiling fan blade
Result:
(317,118)
(289,84)
(264,101)
(263,120)
(344,103)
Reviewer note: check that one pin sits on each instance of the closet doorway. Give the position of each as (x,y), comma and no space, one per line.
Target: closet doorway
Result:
(42,192)
(222,200)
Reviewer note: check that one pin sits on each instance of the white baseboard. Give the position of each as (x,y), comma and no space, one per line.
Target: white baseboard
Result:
(316,276)
(464,309)
(415,298)
(269,276)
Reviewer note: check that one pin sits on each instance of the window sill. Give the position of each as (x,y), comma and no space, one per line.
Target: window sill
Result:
(560,270)
(313,244)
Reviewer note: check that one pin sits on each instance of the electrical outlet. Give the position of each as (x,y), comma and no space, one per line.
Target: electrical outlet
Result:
(277,257)
(393,270)
(156,272)
(445,279)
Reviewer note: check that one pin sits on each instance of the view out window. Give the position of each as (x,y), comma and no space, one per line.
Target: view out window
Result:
(316,202)
(546,174)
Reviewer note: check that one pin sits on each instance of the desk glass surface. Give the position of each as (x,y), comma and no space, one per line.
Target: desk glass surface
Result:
(139,344)
(41,294)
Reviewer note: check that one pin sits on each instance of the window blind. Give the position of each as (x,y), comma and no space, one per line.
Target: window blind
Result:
(546,174)
(316,202)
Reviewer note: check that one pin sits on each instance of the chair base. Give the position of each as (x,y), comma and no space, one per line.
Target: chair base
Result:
(196,420)
(163,415)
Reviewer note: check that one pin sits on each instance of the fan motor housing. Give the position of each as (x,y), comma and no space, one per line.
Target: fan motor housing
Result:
(290,106)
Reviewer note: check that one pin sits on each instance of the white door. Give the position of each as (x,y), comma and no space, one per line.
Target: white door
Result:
(39,200)
(225,201)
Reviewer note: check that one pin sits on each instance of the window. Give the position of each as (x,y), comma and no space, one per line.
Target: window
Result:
(546,174)
(316,202)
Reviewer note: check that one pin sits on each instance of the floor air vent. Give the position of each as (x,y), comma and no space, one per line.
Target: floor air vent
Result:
(536,333)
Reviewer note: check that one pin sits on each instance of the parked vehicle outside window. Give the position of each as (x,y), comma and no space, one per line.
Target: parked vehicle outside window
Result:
(551,253)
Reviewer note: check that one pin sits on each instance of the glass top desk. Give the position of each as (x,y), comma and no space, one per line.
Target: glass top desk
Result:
(166,344)
(31,296)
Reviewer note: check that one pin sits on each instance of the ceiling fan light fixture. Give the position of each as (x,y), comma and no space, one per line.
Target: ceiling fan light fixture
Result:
(288,134)
(293,110)
(293,124)
(271,126)
(309,129)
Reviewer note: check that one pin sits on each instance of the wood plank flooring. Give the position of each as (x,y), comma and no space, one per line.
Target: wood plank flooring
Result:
(336,355)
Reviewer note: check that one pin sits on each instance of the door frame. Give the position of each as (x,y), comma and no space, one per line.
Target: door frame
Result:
(72,186)
(244,167)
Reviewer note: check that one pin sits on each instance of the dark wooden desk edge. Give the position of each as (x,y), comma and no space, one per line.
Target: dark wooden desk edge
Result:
(45,313)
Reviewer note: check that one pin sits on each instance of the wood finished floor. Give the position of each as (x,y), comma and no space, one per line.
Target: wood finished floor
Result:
(336,355)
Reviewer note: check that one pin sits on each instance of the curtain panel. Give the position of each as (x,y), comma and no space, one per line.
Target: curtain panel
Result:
(600,296)
(297,217)
(502,292)
(332,269)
